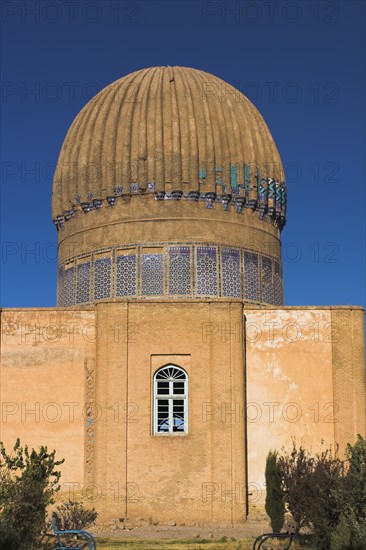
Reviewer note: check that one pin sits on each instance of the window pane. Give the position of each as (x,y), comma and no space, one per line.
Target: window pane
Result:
(178,415)
(163,388)
(178,387)
(163,415)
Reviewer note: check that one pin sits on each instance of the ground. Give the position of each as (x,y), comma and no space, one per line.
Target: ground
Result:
(175,545)
(203,544)
(147,530)
(141,535)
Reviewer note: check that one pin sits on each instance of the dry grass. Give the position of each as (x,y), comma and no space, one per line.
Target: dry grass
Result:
(105,544)
(247,544)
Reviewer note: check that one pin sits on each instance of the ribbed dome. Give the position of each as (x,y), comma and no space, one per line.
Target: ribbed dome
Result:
(166,129)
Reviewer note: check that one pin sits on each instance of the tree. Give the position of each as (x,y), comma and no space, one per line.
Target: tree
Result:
(28,482)
(274,496)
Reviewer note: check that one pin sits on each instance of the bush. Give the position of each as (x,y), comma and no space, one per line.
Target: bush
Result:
(341,538)
(274,497)
(327,497)
(28,482)
(9,538)
(295,470)
(73,515)
(310,487)
(352,497)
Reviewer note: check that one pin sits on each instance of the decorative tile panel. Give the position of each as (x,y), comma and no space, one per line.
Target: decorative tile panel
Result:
(206,271)
(68,292)
(152,274)
(102,278)
(267,281)
(83,283)
(278,286)
(251,276)
(230,272)
(126,277)
(180,270)
(60,287)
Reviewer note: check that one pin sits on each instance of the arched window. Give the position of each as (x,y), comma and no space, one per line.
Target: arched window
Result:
(170,401)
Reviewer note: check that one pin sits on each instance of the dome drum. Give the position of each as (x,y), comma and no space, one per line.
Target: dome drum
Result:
(172,271)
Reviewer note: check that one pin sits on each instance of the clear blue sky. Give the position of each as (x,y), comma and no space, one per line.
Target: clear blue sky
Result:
(301,63)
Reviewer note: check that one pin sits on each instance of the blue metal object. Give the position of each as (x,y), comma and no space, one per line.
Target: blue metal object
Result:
(65,533)
(292,532)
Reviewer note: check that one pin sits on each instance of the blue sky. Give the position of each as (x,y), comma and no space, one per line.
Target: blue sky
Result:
(301,63)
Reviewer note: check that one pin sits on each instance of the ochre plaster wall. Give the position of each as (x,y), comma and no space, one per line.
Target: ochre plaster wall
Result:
(44,353)
(305,374)
(80,381)
(184,478)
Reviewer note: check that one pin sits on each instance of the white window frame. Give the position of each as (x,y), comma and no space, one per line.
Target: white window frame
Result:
(170,398)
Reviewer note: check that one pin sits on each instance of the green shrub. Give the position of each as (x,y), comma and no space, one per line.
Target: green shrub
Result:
(351,497)
(73,515)
(295,469)
(327,495)
(28,482)
(341,538)
(310,487)
(274,497)
(9,538)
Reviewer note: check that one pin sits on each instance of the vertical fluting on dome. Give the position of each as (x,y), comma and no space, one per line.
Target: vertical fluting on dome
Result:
(169,129)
